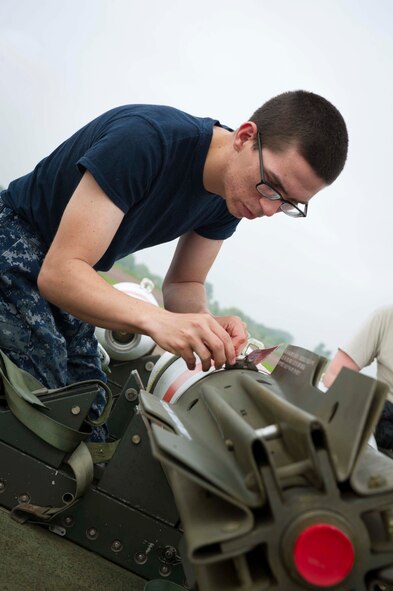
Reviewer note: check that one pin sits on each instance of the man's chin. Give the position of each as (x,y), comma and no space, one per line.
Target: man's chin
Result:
(249,215)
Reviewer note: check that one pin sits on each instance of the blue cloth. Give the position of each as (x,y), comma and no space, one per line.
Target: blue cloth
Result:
(55,347)
(384,430)
(149,161)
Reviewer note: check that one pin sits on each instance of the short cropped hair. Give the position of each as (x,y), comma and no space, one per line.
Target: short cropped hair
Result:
(310,123)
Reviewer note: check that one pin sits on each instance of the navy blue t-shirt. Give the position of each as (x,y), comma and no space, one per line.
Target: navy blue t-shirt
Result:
(149,161)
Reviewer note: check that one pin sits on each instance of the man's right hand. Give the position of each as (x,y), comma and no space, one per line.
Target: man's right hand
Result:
(189,334)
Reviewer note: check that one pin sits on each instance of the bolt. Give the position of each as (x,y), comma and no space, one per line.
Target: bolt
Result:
(25,498)
(169,553)
(149,365)
(376,481)
(75,410)
(140,557)
(229,444)
(251,482)
(117,546)
(92,533)
(388,520)
(131,394)
(136,439)
(165,570)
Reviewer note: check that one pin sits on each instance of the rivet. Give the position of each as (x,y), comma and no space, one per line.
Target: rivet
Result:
(136,439)
(140,557)
(75,410)
(68,521)
(165,570)
(149,365)
(24,498)
(92,533)
(117,546)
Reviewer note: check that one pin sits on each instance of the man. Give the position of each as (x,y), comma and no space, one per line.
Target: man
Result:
(137,176)
(374,341)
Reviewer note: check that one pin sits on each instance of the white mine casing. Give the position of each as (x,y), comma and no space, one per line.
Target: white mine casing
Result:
(170,377)
(122,346)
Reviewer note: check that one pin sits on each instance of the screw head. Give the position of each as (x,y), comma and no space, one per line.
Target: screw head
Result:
(75,410)
(136,439)
(131,394)
(2,486)
(149,365)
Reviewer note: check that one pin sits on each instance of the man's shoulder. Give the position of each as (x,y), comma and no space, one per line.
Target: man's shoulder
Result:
(169,123)
(153,113)
(383,316)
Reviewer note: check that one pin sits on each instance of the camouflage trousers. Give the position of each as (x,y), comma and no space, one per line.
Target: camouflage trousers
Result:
(52,345)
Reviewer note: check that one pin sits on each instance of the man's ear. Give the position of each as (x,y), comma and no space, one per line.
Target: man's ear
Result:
(246,132)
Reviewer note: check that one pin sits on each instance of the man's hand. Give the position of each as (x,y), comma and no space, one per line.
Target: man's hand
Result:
(237,330)
(201,334)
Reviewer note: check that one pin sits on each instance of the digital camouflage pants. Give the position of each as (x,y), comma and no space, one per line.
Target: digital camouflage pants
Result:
(52,345)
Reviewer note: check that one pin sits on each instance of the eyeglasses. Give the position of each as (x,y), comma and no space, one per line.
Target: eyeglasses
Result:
(265,189)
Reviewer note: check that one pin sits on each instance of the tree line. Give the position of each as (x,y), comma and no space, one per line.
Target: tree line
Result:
(269,336)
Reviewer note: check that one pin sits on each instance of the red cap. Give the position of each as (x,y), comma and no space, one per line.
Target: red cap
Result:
(323,555)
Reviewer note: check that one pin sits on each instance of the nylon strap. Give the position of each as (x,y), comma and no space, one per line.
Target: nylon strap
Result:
(102,452)
(23,407)
(82,466)
(21,392)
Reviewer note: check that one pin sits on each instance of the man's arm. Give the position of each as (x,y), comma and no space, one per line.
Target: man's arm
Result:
(68,280)
(364,347)
(339,361)
(184,284)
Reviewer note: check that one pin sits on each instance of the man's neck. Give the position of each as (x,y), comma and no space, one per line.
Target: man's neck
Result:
(216,160)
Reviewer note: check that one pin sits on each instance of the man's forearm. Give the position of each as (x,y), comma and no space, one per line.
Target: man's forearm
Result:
(340,360)
(185,297)
(76,288)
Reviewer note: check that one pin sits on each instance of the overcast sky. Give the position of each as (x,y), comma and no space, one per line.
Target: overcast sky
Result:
(64,62)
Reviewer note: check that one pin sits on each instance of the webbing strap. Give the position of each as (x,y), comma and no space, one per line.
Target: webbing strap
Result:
(21,391)
(102,452)
(82,466)
(22,404)
(21,382)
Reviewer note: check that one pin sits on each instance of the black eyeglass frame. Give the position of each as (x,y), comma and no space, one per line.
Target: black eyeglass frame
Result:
(294,214)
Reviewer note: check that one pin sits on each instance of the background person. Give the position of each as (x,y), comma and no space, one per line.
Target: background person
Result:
(373,342)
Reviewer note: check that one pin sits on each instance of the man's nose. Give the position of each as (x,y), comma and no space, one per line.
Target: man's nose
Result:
(269,206)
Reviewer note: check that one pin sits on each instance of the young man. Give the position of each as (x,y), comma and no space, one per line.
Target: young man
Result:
(373,342)
(137,176)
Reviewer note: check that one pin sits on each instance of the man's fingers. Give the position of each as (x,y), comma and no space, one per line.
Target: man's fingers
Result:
(203,335)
